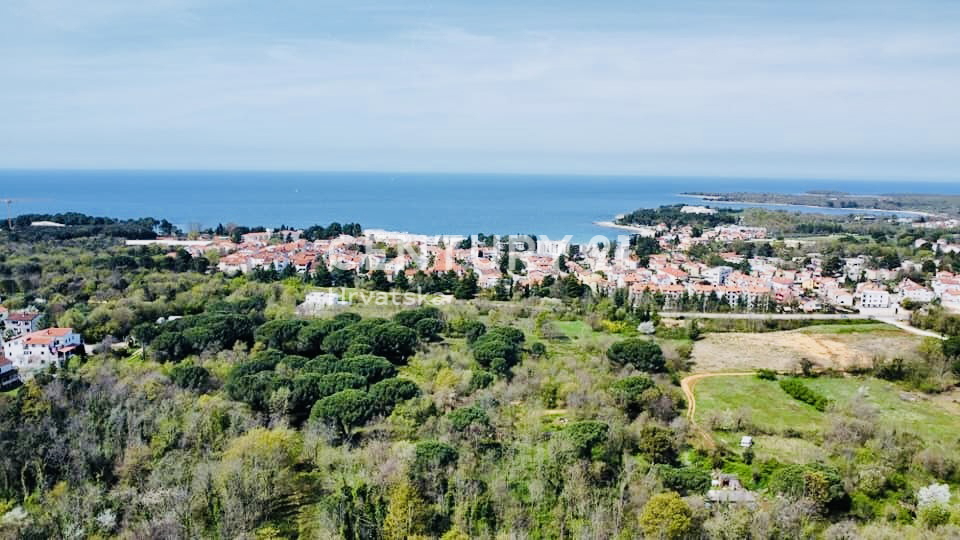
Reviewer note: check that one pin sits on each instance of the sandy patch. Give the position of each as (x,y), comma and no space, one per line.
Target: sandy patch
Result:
(783,351)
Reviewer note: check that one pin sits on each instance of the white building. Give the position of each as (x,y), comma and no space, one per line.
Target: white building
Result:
(951,300)
(853,267)
(717,275)
(322,299)
(21,322)
(697,210)
(874,296)
(553,248)
(839,297)
(915,291)
(41,348)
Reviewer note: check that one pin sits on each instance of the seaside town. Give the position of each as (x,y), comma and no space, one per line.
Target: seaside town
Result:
(669,274)
(663,272)
(289,321)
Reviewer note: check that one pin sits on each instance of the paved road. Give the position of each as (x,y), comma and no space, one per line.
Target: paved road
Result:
(912,329)
(764,316)
(903,325)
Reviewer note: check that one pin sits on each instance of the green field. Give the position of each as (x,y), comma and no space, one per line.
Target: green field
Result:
(767,406)
(855,328)
(574,329)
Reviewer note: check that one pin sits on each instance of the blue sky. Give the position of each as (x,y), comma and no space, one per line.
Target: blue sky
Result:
(853,89)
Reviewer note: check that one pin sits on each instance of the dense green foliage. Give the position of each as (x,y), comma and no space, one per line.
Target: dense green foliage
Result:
(673,217)
(488,418)
(802,392)
(642,354)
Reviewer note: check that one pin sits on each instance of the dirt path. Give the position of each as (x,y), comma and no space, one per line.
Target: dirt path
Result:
(690,381)
(687,384)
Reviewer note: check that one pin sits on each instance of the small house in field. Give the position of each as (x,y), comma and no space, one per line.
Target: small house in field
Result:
(746,441)
(727,489)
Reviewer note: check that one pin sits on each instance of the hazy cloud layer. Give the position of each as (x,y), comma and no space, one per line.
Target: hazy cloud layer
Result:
(869,90)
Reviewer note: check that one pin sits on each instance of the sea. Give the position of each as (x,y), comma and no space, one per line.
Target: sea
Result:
(546,205)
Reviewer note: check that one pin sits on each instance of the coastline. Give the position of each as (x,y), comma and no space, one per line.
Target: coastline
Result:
(647,231)
(717,199)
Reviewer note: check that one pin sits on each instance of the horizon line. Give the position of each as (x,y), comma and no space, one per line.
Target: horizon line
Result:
(471,173)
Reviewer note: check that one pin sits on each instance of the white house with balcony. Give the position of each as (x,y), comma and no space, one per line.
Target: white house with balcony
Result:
(42,348)
(21,322)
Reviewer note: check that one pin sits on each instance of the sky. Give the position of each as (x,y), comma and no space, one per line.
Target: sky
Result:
(836,88)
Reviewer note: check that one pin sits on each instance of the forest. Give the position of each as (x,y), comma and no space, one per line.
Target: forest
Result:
(207,408)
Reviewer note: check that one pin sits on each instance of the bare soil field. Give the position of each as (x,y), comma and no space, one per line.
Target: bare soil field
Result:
(783,351)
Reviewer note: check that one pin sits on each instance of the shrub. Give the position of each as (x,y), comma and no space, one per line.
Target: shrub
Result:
(656,444)
(817,482)
(767,374)
(801,392)
(934,515)
(685,480)
(433,455)
(629,393)
(499,349)
(470,329)
(462,418)
(411,317)
(666,516)
(481,379)
(189,376)
(587,438)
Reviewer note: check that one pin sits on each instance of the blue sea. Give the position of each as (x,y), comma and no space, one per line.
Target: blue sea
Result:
(551,205)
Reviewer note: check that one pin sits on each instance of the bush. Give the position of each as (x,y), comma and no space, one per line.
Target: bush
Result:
(767,374)
(801,392)
(470,329)
(656,444)
(499,349)
(189,376)
(462,418)
(685,480)
(629,393)
(640,353)
(431,456)
(934,515)
(480,379)
(817,482)
(666,516)
(588,438)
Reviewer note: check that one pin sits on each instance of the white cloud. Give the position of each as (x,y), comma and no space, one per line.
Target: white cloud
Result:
(609,101)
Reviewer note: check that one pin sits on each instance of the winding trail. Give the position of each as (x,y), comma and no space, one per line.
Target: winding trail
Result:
(688,383)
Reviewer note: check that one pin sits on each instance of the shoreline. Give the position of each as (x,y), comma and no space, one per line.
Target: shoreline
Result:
(639,229)
(718,199)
